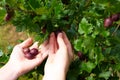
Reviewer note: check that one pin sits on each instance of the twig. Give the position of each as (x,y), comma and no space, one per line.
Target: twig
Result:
(115,30)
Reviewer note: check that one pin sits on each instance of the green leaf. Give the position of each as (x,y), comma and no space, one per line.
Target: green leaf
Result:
(117,67)
(90,78)
(11,2)
(95,33)
(92,54)
(85,27)
(88,44)
(58,9)
(3,59)
(107,50)
(105,33)
(98,55)
(2,14)
(41,11)
(105,75)
(77,44)
(34,4)
(88,66)
(115,53)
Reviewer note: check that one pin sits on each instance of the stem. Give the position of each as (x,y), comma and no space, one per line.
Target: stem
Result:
(28,34)
(115,30)
(31,6)
(25,11)
(87,3)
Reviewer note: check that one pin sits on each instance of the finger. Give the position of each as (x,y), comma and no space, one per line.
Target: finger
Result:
(35,45)
(43,52)
(41,56)
(56,45)
(43,44)
(60,41)
(44,47)
(26,43)
(52,43)
(68,44)
(66,39)
(44,55)
(38,59)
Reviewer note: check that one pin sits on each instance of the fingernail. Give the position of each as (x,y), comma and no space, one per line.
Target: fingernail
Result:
(60,35)
(30,39)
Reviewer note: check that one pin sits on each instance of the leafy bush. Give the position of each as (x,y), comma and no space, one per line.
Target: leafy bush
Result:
(96,43)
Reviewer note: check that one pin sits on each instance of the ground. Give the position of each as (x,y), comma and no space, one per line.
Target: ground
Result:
(9,36)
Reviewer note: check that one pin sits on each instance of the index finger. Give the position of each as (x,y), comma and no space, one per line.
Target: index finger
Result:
(68,44)
(61,43)
(52,43)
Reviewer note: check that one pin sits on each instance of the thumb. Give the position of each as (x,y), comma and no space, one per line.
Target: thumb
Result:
(26,43)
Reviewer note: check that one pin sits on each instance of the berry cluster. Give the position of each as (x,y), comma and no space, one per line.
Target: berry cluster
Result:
(109,21)
(30,54)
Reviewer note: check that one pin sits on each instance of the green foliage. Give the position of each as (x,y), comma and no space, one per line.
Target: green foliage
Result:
(2,14)
(3,58)
(82,20)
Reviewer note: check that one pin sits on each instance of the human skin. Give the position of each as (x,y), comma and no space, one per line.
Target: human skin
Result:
(59,58)
(58,50)
(18,64)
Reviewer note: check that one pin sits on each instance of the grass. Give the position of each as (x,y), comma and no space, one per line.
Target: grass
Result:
(9,36)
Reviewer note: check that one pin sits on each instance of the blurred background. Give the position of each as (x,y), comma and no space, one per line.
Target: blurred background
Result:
(9,37)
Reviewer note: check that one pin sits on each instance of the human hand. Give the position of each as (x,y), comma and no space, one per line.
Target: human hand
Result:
(59,58)
(19,63)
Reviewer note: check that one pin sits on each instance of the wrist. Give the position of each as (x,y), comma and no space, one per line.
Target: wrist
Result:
(8,72)
(55,75)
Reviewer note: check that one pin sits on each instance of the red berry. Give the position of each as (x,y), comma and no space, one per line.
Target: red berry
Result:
(80,55)
(34,52)
(115,17)
(108,22)
(26,50)
(7,17)
(29,56)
